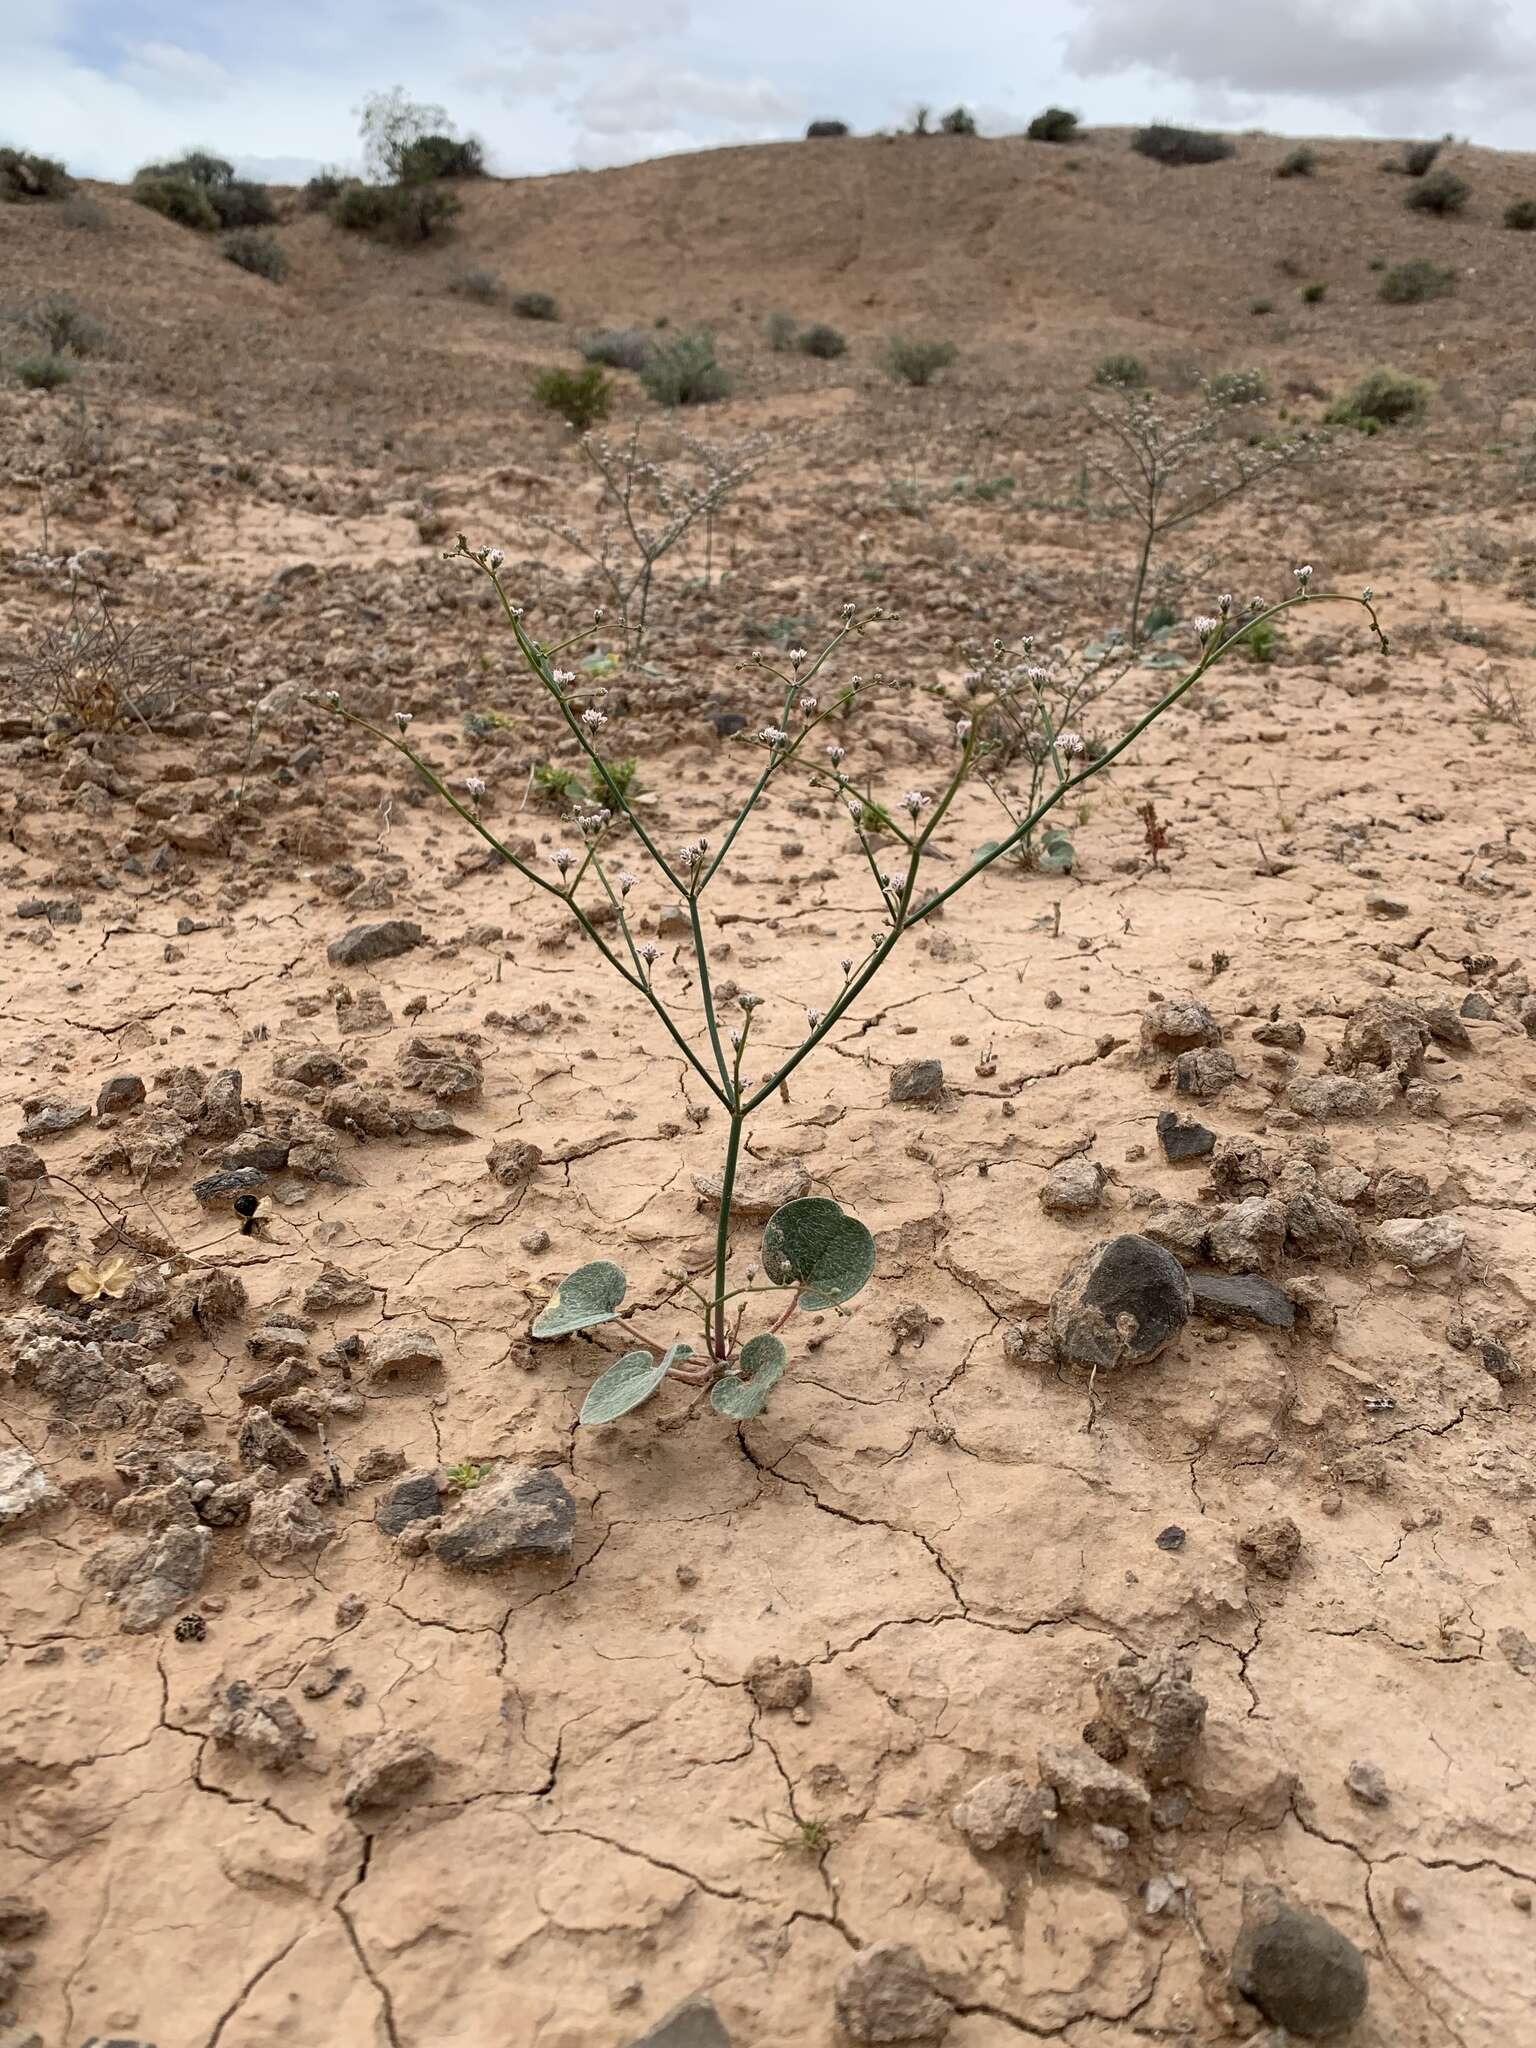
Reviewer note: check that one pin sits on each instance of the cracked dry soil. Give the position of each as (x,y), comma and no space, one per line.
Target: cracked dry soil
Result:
(935,1521)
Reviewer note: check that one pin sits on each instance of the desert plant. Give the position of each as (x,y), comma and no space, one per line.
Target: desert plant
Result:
(1314,294)
(79,210)
(92,672)
(240,203)
(813,1257)
(1120,372)
(908,359)
(1417,158)
(1442,192)
(958,121)
(822,341)
(1410,284)
(581,397)
(408,141)
(1055,124)
(394,213)
(197,166)
(321,191)
(1165,144)
(44,371)
(440,156)
(1258,307)
(258,253)
(62,327)
(1521,215)
(473,283)
(24,175)
(826,131)
(535,306)
(684,371)
(1382,398)
(620,348)
(779,329)
(1238,387)
(1260,642)
(1300,162)
(179,199)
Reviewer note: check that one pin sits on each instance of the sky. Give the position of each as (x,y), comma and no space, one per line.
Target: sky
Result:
(550,86)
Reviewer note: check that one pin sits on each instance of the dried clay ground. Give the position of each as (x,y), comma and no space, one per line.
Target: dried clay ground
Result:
(933,1521)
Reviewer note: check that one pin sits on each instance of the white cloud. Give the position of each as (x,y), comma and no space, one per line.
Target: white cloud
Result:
(597,31)
(646,98)
(168,69)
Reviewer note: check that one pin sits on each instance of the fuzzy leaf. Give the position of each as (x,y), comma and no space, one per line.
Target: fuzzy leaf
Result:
(987,846)
(1056,854)
(625,1385)
(829,1252)
(743,1392)
(589,1296)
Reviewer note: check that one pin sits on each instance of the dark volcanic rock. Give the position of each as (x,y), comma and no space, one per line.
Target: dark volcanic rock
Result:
(519,1512)
(1298,1970)
(1119,1304)
(365,943)
(1182,1138)
(1242,1298)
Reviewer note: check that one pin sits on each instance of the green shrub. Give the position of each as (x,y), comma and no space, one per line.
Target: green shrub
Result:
(1382,398)
(63,328)
(1165,144)
(535,306)
(394,213)
(581,397)
(198,167)
(1417,158)
(178,199)
(822,341)
(620,348)
(483,285)
(1521,215)
(1056,124)
(1120,373)
(257,253)
(44,372)
(440,156)
(226,201)
(1300,163)
(25,176)
(1441,192)
(321,191)
(825,131)
(1261,641)
(685,371)
(1238,387)
(908,359)
(1314,294)
(958,121)
(1261,306)
(780,330)
(241,204)
(1410,284)
(1160,618)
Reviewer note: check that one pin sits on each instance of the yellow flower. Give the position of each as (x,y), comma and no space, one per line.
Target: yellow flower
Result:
(112,1277)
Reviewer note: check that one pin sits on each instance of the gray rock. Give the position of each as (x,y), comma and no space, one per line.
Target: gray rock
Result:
(1367,1783)
(382,1774)
(285,1524)
(1204,1073)
(1005,1811)
(414,1499)
(25,1488)
(119,1092)
(778,1685)
(1090,1789)
(693,2024)
(147,1582)
(57,909)
(1178,1026)
(1149,1711)
(1073,1187)
(261,1149)
(1119,1304)
(365,943)
(886,1995)
(397,1354)
(261,1727)
(215,1189)
(52,1120)
(1418,1242)
(1298,1970)
(1478,1007)
(760,1189)
(519,1512)
(917,1081)
(1242,1298)
(1182,1138)
(264,1441)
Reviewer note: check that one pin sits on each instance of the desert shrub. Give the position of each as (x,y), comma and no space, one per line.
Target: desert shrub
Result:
(26,176)
(685,371)
(535,306)
(780,330)
(1417,158)
(44,372)
(1165,144)
(1260,642)
(1120,373)
(411,142)
(81,211)
(1521,215)
(62,327)
(1056,124)
(1260,306)
(321,191)
(179,199)
(257,253)
(440,156)
(1300,163)
(394,213)
(621,348)
(1382,398)
(581,397)
(1159,618)
(909,359)
(825,131)
(1441,192)
(470,283)
(958,121)
(1239,387)
(242,204)
(1410,284)
(1314,294)
(822,341)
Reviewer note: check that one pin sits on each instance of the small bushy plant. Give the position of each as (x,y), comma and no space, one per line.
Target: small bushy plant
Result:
(200,190)
(822,341)
(1119,373)
(1521,215)
(44,372)
(620,348)
(581,397)
(535,306)
(24,175)
(1382,398)
(473,283)
(178,199)
(1260,642)
(1259,307)
(1314,294)
(1165,144)
(910,359)
(1410,284)
(1055,124)
(1417,158)
(1442,192)
(260,254)
(1300,162)
(826,131)
(63,327)
(321,192)
(395,213)
(440,156)
(1239,387)
(958,121)
(780,331)
(685,371)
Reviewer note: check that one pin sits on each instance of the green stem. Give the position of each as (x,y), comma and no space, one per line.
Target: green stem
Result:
(722,1234)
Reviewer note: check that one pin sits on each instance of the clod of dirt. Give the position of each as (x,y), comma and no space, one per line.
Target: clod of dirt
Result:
(1007,1810)
(886,1995)
(20,1921)
(1367,1783)
(759,1189)
(519,1512)
(315,1069)
(333,1289)
(365,1107)
(416,1498)
(285,1524)
(1243,1299)
(1150,1712)
(1119,1304)
(147,1582)
(397,1354)
(221,1113)
(264,1441)
(1518,1650)
(1288,1036)
(513,1161)
(262,1727)
(693,2024)
(215,1189)
(1316,1226)
(1182,1138)
(275,1343)
(917,1081)
(1073,1187)
(25,1488)
(365,943)
(1386,1036)
(1271,1547)
(390,1767)
(51,1119)
(1419,1242)
(1180,1025)
(1090,1789)
(1249,1236)
(1328,1098)
(117,1093)
(1204,1074)
(1298,1970)
(777,1685)
(447,1069)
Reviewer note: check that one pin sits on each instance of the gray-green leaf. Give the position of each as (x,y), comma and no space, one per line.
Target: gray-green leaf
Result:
(813,1241)
(589,1296)
(743,1391)
(625,1385)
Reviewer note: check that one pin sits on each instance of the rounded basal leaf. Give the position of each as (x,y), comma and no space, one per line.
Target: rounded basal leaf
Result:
(987,847)
(814,1242)
(589,1296)
(1057,854)
(743,1391)
(625,1385)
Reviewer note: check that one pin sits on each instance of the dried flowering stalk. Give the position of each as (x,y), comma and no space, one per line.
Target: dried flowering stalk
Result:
(812,1251)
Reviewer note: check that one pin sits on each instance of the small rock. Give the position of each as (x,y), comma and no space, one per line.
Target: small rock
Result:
(1298,1970)
(1204,1074)
(25,1488)
(917,1081)
(1271,1547)
(262,1727)
(1386,906)
(1005,1810)
(415,1499)
(147,1582)
(1478,1007)
(1179,1026)
(444,1068)
(216,1189)
(1328,1097)
(886,1995)
(1518,1650)
(285,1524)
(365,943)
(397,1354)
(694,2023)
(777,1685)
(1242,1298)
(1289,1037)
(1149,1710)
(264,1441)
(1367,1783)
(1090,1789)
(390,1767)
(333,1289)
(52,1120)
(760,1189)
(519,1512)
(1073,1187)
(1119,1304)
(1248,1236)
(1418,1242)
(119,1092)
(1407,1905)
(1171,1539)
(1182,1138)
(513,1161)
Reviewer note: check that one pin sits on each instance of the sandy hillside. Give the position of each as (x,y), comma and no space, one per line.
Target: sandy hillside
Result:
(351,1693)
